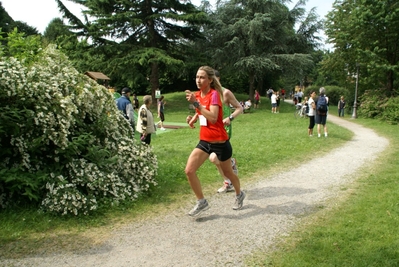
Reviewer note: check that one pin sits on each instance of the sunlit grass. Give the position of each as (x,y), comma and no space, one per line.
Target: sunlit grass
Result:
(361,230)
(263,143)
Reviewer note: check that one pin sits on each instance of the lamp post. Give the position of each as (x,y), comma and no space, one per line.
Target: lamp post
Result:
(354,114)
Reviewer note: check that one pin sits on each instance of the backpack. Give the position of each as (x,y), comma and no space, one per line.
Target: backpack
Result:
(322,104)
(307,108)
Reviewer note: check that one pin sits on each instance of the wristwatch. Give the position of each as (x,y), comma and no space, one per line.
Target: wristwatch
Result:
(196,104)
(231,117)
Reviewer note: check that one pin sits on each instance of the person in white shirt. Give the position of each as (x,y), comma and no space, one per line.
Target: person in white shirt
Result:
(300,96)
(274,102)
(311,113)
(248,104)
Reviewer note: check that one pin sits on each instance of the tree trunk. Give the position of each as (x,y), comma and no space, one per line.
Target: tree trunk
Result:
(260,87)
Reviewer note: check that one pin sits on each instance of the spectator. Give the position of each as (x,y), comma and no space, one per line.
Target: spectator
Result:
(311,113)
(321,111)
(135,102)
(161,115)
(300,96)
(125,106)
(295,98)
(248,104)
(277,102)
(269,93)
(274,102)
(257,99)
(305,106)
(283,93)
(341,107)
(145,120)
(242,105)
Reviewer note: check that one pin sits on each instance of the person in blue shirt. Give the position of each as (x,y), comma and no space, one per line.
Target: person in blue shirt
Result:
(125,106)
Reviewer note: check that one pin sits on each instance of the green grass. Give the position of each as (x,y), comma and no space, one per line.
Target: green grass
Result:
(359,231)
(263,143)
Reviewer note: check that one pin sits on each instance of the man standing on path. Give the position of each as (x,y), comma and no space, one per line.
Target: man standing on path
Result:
(341,107)
(228,100)
(125,106)
(321,111)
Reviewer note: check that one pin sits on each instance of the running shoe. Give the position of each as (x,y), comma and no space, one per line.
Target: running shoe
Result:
(227,187)
(239,201)
(202,205)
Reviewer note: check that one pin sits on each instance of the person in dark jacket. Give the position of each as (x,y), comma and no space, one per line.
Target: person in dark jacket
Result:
(125,106)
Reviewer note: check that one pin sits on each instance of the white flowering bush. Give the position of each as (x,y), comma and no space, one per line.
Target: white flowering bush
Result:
(64,144)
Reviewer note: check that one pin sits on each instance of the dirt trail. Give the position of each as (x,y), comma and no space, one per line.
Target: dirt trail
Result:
(222,236)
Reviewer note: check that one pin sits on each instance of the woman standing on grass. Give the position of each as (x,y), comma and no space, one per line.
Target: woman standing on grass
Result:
(145,121)
(161,115)
(311,113)
(208,102)
(257,99)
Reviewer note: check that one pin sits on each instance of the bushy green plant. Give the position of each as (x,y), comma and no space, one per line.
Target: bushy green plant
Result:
(64,144)
(334,93)
(372,104)
(390,111)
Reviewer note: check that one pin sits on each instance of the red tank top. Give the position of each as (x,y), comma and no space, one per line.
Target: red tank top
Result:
(212,132)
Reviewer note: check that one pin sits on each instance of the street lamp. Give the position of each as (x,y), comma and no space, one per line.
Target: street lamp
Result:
(354,114)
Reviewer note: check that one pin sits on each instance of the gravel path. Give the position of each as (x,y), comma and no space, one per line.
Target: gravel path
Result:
(222,236)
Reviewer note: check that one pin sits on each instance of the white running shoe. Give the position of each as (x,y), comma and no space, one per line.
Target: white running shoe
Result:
(239,201)
(199,208)
(227,187)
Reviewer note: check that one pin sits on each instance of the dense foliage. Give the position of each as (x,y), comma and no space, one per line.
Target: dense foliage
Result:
(7,24)
(64,145)
(365,32)
(139,40)
(257,40)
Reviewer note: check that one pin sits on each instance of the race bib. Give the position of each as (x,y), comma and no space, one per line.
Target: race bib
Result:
(202,120)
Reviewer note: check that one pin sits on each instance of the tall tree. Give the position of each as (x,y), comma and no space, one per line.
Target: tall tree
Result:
(258,38)
(78,50)
(6,21)
(138,37)
(366,32)
(25,28)
(56,28)
(7,24)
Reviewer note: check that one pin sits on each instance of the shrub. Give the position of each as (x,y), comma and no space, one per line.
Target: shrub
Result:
(64,144)
(375,104)
(391,111)
(372,104)
(334,93)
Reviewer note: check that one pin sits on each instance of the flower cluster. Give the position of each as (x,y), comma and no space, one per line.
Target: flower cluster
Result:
(64,124)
